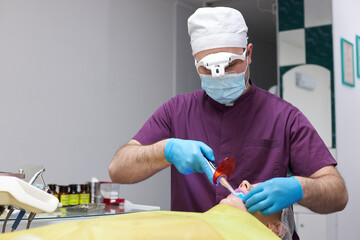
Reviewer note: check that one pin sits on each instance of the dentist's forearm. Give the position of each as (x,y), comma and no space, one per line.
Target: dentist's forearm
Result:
(324,191)
(134,162)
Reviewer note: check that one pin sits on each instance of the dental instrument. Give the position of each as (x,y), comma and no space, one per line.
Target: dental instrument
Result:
(223,172)
(11,210)
(17,220)
(30,218)
(2,209)
(36,175)
(224,183)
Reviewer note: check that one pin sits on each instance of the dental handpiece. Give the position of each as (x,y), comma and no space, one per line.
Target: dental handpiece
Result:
(30,218)
(36,175)
(11,210)
(2,209)
(17,220)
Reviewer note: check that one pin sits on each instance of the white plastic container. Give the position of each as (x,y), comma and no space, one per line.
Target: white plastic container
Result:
(110,190)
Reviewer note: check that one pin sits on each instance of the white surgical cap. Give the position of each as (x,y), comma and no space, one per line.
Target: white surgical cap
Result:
(215,28)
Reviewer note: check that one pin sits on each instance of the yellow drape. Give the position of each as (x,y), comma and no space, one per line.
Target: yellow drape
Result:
(220,222)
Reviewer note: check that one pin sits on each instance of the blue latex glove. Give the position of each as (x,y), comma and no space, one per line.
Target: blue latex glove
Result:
(273,195)
(188,156)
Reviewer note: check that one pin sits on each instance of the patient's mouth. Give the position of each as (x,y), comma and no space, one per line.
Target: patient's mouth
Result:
(241,194)
(239,191)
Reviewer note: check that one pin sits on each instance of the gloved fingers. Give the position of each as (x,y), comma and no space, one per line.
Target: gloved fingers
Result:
(184,165)
(207,151)
(252,192)
(210,178)
(255,199)
(260,206)
(207,170)
(271,210)
(186,171)
(195,160)
(188,156)
(197,167)
(200,171)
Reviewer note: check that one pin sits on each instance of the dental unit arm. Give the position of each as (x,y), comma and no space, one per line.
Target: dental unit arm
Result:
(16,192)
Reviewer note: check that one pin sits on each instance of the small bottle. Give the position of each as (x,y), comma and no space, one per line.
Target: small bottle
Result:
(73,195)
(84,194)
(64,195)
(53,190)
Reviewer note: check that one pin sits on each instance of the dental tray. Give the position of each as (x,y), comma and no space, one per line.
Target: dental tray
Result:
(18,175)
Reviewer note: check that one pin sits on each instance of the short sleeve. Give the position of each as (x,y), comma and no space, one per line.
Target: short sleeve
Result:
(308,152)
(157,127)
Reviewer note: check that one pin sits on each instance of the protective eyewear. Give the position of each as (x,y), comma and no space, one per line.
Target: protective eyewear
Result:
(217,62)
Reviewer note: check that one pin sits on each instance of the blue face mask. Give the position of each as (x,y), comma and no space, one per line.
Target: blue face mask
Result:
(225,89)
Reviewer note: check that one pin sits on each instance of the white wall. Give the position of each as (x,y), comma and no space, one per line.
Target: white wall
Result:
(186,77)
(77,81)
(346,20)
(314,103)
(291,47)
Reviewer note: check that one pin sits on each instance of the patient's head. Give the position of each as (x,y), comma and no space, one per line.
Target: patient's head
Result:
(277,222)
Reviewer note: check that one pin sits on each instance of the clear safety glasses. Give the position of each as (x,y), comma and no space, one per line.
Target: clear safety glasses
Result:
(217,62)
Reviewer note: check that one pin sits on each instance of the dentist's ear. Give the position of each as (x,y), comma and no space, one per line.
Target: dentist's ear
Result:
(249,52)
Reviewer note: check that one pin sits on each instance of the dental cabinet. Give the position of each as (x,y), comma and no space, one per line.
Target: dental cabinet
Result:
(310,225)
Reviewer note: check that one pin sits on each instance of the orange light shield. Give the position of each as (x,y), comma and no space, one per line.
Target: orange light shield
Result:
(226,167)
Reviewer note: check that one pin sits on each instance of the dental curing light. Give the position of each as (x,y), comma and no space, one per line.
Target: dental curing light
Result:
(223,172)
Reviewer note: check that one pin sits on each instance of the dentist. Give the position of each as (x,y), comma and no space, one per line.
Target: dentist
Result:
(230,116)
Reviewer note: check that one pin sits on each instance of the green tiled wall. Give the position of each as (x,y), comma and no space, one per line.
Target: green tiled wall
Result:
(291,14)
(318,44)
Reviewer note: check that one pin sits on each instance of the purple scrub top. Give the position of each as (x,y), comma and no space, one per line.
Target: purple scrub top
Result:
(263,133)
